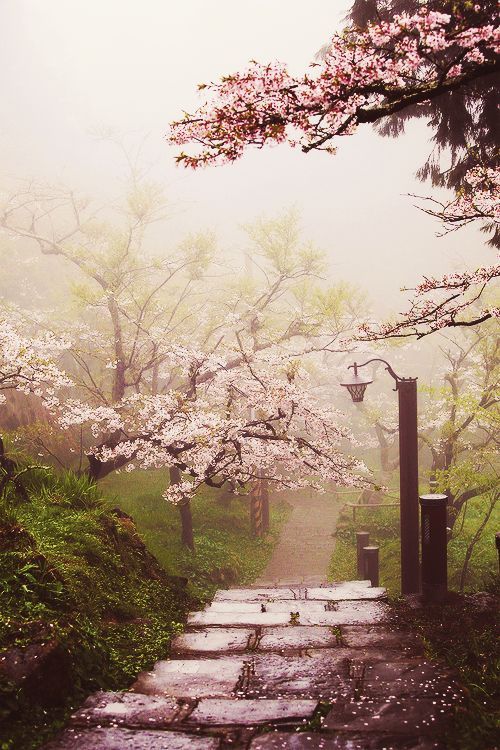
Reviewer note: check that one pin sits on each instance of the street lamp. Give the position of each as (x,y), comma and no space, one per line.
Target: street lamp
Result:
(408,468)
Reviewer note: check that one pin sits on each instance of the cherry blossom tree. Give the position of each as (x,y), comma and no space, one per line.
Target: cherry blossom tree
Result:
(232,425)
(367,75)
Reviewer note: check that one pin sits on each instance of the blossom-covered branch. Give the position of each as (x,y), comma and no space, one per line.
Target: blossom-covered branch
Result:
(366,75)
(231,427)
(452,301)
(27,363)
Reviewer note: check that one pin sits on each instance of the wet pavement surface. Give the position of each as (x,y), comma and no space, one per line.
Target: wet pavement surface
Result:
(300,665)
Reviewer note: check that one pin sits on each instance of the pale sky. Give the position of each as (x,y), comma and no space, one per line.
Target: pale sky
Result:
(70,66)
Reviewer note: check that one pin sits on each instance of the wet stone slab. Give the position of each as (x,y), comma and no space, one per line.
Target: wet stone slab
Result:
(419,715)
(315,741)
(345,613)
(285,605)
(111,738)
(126,709)
(406,678)
(213,640)
(377,637)
(299,591)
(295,638)
(211,712)
(191,678)
(316,675)
(345,592)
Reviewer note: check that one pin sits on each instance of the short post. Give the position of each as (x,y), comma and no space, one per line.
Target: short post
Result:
(370,564)
(434,547)
(497,543)
(362,540)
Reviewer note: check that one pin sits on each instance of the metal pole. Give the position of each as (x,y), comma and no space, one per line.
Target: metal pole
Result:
(408,483)
(434,547)
(362,540)
(370,564)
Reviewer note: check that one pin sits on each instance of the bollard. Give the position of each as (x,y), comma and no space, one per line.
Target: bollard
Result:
(362,540)
(497,543)
(434,547)
(370,564)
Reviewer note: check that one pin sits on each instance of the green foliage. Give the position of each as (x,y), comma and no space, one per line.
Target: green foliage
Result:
(383,525)
(75,572)
(463,634)
(225,552)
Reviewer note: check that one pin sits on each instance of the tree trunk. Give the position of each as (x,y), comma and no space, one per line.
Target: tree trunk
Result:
(187,536)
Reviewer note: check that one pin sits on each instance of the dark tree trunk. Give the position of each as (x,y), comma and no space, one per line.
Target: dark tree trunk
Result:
(187,536)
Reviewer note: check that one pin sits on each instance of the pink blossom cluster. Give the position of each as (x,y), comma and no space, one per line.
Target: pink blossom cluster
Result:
(28,364)
(365,73)
(233,424)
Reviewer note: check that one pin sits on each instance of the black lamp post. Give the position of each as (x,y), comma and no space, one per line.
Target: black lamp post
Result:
(408,468)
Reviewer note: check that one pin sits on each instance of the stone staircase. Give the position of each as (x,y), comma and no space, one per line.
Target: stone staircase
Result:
(289,666)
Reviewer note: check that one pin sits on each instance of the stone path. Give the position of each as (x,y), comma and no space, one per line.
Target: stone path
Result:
(265,668)
(306,542)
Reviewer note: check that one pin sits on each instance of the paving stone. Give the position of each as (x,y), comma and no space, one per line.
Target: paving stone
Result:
(315,741)
(346,592)
(417,715)
(257,594)
(284,605)
(126,709)
(314,675)
(191,678)
(346,613)
(212,640)
(412,677)
(213,712)
(297,637)
(111,738)
(377,637)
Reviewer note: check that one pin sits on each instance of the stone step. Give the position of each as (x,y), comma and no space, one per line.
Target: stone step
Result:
(191,678)
(215,640)
(341,741)
(135,711)
(350,590)
(113,738)
(346,613)
(245,713)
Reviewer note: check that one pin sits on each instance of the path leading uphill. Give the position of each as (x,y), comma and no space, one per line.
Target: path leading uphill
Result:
(303,552)
(265,668)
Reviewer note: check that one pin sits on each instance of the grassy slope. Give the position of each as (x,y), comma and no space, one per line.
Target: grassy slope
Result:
(225,551)
(74,573)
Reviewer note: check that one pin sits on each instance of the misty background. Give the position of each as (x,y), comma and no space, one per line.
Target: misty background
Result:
(71,69)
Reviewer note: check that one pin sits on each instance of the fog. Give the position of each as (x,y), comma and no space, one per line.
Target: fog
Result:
(72,68)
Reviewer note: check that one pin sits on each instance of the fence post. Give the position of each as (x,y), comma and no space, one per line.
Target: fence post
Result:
(362,540)
(265,504)
(434,547)
(497,543)
(256,509)
(371,564)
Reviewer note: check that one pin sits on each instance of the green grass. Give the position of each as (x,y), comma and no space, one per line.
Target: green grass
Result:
(225,552)
(383,525)
(77,574)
